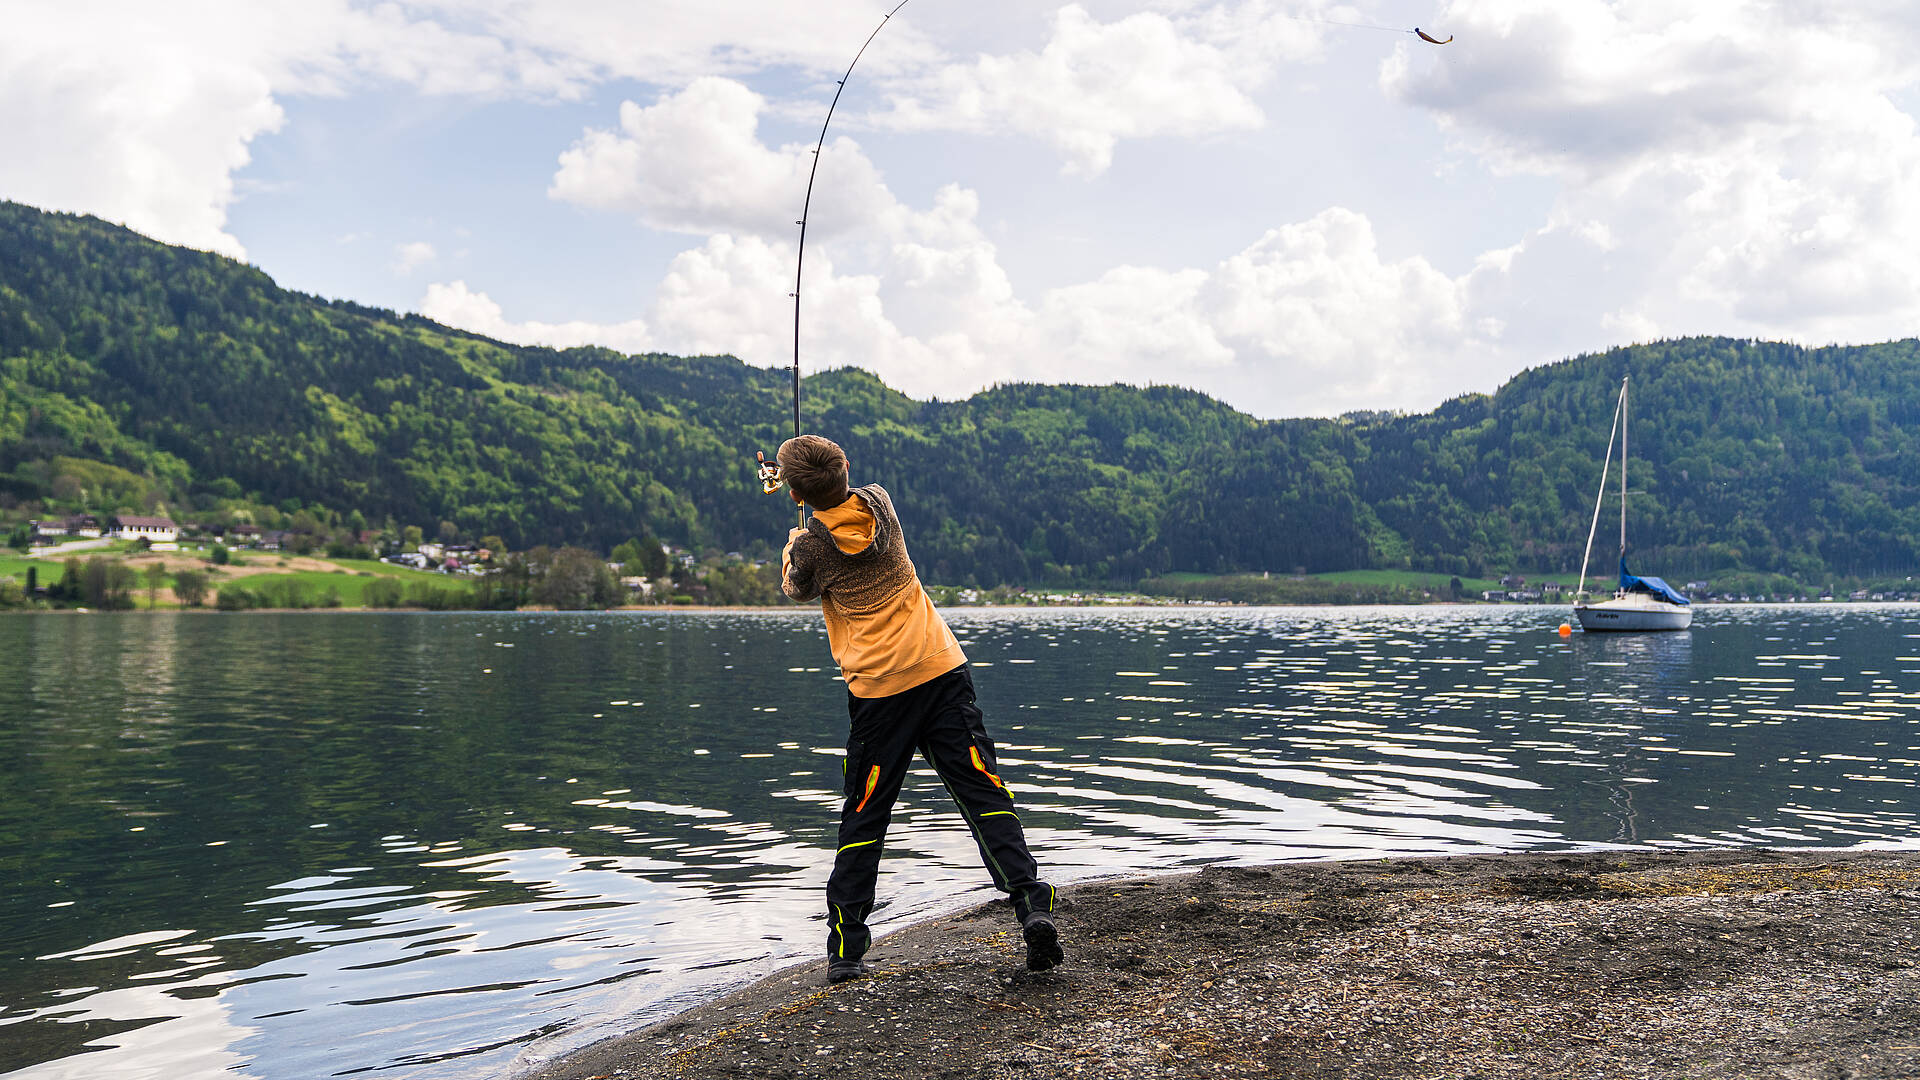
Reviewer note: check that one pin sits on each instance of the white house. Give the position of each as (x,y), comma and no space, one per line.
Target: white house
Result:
(156,529)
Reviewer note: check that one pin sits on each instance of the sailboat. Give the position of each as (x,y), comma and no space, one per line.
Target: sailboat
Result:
(1639,603)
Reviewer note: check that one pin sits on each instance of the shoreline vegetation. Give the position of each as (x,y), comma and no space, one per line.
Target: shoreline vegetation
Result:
(127,576)
(1704,965)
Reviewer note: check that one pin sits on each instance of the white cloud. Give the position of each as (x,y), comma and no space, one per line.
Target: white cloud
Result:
(412,256)
(1307,320)
(146,134)
(920,297)
(1092,85)
(1317,298)
(456,305)
(693,162)
(1724,167)
(142,113)
(674,42)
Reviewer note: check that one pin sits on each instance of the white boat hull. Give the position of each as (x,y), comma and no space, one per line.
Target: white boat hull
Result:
(1636,612)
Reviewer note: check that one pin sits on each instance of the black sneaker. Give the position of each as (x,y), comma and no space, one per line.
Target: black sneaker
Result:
(840,971)
(1043,942)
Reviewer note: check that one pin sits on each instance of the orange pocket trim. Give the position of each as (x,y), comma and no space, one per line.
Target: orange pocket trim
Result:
(873,781)
(978,763)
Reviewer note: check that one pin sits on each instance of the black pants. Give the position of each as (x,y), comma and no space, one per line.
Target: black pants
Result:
(938,718)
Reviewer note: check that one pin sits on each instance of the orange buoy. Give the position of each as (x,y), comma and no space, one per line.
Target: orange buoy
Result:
(1565,630)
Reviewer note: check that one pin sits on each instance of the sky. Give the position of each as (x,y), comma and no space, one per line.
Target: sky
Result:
(1296,206)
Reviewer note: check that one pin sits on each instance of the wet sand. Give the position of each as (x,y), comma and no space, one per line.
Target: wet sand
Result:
(1746,963)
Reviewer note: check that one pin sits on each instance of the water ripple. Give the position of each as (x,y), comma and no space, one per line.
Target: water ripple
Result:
(448,846)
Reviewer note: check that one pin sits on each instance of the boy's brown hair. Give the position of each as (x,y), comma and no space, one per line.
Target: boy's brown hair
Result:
(815,468)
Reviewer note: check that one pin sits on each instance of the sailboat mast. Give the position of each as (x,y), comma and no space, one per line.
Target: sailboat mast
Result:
(1600,495)
(1623,467)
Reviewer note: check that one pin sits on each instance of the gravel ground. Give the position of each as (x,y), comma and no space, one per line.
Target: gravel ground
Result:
(1750,964)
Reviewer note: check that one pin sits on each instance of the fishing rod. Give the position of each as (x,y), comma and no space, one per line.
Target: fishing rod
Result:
(770,470)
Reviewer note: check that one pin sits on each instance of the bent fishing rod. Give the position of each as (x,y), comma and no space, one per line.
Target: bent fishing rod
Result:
(770,470)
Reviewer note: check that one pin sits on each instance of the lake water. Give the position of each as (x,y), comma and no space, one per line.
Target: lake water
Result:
(432,846)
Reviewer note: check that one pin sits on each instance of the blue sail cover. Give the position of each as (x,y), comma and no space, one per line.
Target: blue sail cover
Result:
(1630,583)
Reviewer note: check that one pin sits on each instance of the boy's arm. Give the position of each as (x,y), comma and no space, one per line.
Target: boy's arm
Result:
(797,579)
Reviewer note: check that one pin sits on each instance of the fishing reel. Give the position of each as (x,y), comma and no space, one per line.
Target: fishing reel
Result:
(769,472)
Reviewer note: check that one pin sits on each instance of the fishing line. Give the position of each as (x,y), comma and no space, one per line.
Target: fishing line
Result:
(769,471)
(1416,31)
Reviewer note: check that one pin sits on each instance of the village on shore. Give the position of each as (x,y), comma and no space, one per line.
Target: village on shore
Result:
(233,566)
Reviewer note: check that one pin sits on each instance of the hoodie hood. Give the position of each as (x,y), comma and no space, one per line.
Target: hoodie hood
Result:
(851,524)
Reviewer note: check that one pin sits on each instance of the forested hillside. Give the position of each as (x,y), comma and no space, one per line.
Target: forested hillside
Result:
(133,375)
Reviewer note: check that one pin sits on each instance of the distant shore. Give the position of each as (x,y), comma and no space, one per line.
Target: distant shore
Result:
(721,609)
(1707,965)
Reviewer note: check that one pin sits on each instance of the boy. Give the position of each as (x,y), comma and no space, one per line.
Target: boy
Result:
(908,687)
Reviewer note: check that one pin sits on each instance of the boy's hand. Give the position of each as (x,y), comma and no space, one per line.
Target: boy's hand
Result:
(795,534)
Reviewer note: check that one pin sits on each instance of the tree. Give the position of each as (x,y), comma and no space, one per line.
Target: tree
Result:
(156,576)
(220,556)
(411,538)
(384,592)
(577,578)
(33,582)
(496,547)
(107,584)
(69,587)
(190,587)
(641,558)
(653,557)
(21,537)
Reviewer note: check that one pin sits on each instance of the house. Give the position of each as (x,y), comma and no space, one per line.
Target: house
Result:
(156,530)
(47,531)
(73,525)
(237,535)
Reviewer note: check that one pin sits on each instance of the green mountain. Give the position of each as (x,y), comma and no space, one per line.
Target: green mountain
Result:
(133,374)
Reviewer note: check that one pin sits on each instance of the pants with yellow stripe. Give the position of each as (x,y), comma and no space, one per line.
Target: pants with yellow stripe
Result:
(940,719)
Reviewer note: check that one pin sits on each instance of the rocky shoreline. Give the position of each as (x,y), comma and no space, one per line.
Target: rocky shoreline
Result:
(1747,963)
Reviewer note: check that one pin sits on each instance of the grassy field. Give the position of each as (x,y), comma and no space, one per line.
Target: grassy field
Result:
(350,581)
(349,578)
(14,566)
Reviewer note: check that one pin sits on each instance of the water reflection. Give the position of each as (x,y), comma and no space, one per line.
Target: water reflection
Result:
(438,846)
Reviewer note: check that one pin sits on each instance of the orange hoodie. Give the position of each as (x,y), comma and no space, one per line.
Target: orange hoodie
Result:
(881,624)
